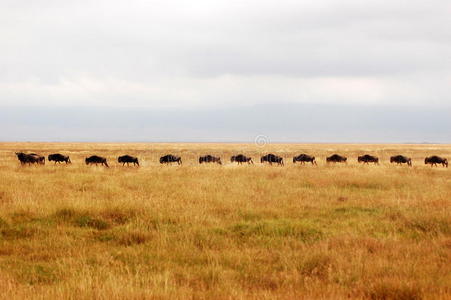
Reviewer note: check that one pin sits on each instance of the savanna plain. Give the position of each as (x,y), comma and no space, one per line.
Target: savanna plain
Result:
(224,232)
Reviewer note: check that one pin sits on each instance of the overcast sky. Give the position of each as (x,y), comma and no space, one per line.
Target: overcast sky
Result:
(199,57)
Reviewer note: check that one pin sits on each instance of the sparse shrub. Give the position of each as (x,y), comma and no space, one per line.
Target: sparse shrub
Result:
(119,215)
(208,239)
(393,291)
(277,228)
(157,223)
(3,223)
(353,210)
(315,265)
(106,237)
(124,238)
(65,214)
(16,232)
(36,274)
(80,219)
(133,238)
(210,277)
(419,227)
(22,216)
(87,221)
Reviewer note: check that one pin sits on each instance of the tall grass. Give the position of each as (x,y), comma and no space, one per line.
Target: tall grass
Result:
(210,231)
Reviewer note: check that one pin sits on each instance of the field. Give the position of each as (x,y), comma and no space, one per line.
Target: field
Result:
(224,232)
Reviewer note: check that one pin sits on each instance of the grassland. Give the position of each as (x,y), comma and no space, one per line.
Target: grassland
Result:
(224,232)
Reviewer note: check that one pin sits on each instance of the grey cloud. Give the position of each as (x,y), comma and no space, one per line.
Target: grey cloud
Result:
(191,54)
(53,39)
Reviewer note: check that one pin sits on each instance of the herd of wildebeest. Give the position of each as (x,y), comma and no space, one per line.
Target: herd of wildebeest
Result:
(33,158)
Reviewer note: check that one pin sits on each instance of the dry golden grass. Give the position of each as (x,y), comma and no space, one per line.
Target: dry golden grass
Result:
(227,232)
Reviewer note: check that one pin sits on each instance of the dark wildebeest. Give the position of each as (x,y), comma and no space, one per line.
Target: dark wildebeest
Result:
(303,158)
(96,160)
(336,159)
(367,159)
(434,160)
(272,158)
(210,159)
(170,159)
(127,159)
(31,158)
(400,159)
(58,158)
(40,159)
(240,158)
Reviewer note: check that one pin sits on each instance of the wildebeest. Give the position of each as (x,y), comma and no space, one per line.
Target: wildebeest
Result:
(303,158)
(210,159)
(434,160)
(272,158)
(127,159)
(94,159)
(58,158)
(170,159)
(366,159)
(400,159)
(335,158)
(40,159)
(240,158)
(31,158)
